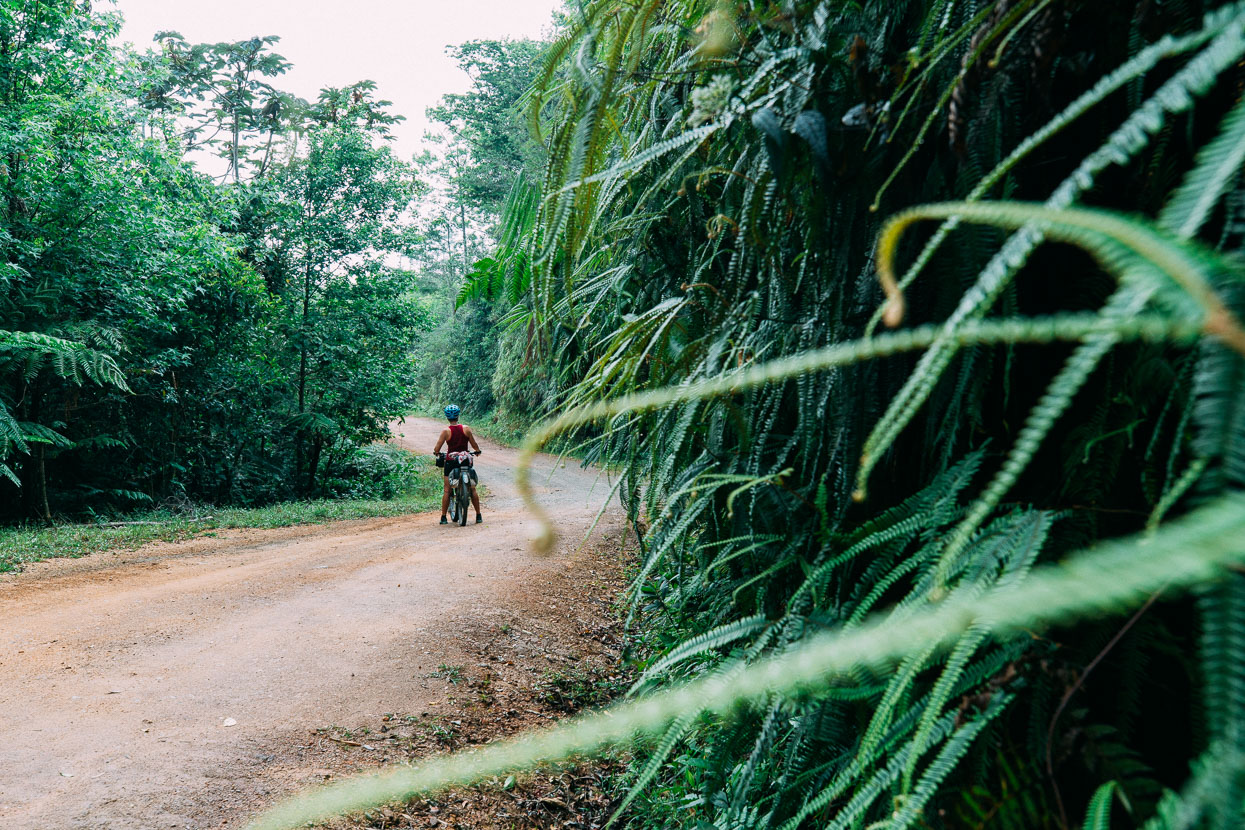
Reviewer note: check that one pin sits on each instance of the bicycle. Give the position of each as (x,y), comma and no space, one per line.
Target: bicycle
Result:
(460,487)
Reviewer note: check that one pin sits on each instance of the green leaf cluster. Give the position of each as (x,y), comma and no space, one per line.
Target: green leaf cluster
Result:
(166,338)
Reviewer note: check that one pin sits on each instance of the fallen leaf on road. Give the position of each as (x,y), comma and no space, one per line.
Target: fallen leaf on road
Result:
(229,722)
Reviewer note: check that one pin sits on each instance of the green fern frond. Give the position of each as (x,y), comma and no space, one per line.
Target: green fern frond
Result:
(1098,813)
(1217,164)
(1176,95)
(1219,413)
(40,434)
(912,804)
(759,755)
(1223,643)
(1219,769)
(714,638)
(1194,550)
(941,693)
(12,435)
(69,360)
(867,792)
(1176,491)
(674,733)
(1189,268)
(1068,327)
(1136,66)
(1057,398)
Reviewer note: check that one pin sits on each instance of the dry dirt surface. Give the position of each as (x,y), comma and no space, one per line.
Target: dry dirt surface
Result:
(189,685)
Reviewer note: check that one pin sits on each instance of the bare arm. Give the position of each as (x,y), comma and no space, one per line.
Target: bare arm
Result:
(441,439)
(471,439)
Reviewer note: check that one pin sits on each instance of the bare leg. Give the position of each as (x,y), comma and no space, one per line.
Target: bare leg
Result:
(475,500)
(445,496)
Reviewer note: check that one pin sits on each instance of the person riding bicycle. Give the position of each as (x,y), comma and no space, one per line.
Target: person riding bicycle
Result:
(456,437)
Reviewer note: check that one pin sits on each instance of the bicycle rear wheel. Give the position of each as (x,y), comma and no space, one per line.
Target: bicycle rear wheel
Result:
(464,495)
(454,506)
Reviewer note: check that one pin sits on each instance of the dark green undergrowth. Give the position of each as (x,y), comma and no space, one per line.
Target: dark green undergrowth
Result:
(699,267)
(420,492)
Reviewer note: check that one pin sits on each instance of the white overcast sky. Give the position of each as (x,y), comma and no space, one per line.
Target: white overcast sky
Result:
(399,44)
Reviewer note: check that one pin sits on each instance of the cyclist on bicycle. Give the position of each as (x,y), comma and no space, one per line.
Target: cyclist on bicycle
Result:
(456,437)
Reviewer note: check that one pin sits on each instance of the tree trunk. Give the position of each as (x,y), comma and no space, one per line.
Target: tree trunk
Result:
(237,131)
(263,165)
(301,438)
(314,464)
(462,218)
(44,510)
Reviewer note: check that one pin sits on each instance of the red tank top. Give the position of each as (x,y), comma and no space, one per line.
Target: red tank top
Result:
(458,439)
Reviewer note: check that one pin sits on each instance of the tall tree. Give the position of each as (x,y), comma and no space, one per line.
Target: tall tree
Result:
(487,124)
(484,150)
(220,96)
(160,333)
(338,209)
(103,233)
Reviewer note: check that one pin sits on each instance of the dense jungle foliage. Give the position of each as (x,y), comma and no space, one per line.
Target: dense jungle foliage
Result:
(170,336)
(702,247)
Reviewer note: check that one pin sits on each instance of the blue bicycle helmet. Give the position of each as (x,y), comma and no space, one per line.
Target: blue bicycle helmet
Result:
(451,412)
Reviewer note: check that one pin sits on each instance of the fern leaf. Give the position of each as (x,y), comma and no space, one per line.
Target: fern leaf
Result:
(1223,643)
(1098,814)
(673,734)
(1217,164)
(1174,96)
(942,765)
(714,638)
(1136,66)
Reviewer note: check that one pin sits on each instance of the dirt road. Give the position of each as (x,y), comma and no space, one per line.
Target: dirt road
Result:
(176,685)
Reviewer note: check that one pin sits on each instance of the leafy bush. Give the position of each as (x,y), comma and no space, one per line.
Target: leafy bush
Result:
(455,362)
(380,471)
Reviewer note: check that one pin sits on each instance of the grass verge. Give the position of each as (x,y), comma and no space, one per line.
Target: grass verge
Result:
(24,545)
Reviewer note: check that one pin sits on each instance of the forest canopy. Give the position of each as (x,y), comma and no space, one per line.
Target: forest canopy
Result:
(171,337)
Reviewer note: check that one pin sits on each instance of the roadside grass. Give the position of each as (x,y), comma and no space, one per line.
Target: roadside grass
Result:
(582,686)
(24,545)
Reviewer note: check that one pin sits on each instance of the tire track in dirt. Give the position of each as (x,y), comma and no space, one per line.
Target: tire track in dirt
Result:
(173,685)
